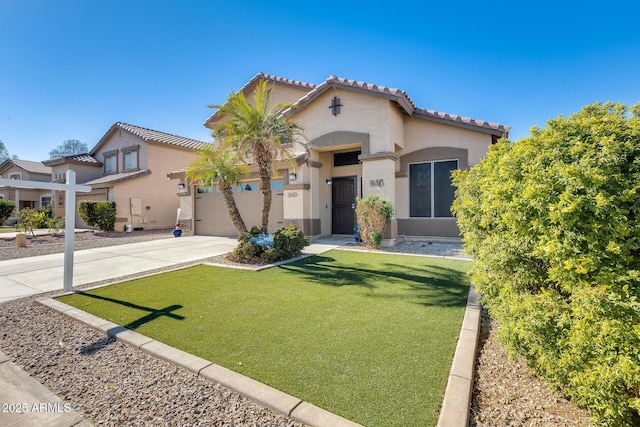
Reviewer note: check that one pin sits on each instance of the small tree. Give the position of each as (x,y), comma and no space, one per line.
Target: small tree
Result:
(6,210)
(373,214)
(101,214)
(222,168)
(31,219)
(67,148)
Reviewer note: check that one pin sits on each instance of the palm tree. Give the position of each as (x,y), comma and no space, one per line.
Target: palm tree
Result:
(222,168)
(257,132)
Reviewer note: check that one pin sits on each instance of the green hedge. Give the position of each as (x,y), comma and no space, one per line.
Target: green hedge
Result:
(553,222)
(101,214)
(7,207)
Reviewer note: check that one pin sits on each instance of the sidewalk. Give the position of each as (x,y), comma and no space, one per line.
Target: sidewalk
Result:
(30,276)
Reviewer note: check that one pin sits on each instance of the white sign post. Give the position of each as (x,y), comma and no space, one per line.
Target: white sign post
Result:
(70,188)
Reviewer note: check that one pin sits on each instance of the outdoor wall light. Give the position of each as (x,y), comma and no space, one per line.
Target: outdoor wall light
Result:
(181,186)
(292,176)
(328,181)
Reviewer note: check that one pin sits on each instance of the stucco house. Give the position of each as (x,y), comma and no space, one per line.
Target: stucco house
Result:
(129,165)
(359,139)
(28,171)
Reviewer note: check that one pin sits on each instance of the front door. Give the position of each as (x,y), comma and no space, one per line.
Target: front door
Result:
(343,199)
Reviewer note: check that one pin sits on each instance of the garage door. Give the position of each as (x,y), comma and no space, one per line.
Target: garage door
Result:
(212,217)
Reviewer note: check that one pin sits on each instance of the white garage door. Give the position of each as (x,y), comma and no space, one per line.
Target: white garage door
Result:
(212,217)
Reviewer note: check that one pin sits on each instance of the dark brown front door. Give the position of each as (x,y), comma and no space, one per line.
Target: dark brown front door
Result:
(343,199)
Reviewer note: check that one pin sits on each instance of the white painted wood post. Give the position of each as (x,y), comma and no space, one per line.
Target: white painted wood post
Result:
(69,229)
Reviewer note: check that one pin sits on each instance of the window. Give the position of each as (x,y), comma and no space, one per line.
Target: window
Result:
(130,160)
(431,191)
(110,163)
(15,176)
(45,200)
(346,159)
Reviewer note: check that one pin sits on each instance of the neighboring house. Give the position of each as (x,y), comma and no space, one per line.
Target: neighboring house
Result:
(28,171)
(360,140)
(129,165)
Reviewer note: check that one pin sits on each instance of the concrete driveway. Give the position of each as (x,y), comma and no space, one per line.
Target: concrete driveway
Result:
(29,276)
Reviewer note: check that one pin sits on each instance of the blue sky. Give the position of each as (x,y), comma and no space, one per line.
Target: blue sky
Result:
(70,69)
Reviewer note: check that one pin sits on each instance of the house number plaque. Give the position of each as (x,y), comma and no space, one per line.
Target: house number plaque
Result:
(292,194)
(376,183)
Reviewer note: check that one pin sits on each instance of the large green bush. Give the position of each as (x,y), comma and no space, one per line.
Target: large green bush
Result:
(553,222)
(7,207)
(101,214)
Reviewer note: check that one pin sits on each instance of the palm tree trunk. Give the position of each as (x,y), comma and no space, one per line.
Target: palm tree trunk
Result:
(264,168)
(234,213)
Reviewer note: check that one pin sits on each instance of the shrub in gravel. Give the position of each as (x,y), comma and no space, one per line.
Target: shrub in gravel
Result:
(31,219)
(553,222)
(101,213)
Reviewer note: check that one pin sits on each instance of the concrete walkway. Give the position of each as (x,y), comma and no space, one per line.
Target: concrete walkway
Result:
(30,276)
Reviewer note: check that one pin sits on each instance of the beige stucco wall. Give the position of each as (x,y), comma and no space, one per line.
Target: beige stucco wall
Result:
(155,191)
(281,93)
(423,134)
(23,194)
(359,113)
(119,140)
(84,173)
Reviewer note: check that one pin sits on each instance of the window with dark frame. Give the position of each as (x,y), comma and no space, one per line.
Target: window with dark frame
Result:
(110,163)
(431,190)
(346,159)
(130,160)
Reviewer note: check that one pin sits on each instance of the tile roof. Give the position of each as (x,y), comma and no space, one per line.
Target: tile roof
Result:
(437,116)
(403,100)
(177,174)
(268,77)
(82,158)
(397,95)
(400,97)
(27,165)
(116,177)
(150,135)
(275,79)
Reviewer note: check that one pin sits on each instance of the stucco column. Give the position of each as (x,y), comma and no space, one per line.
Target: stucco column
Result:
(298,203)
(379,178)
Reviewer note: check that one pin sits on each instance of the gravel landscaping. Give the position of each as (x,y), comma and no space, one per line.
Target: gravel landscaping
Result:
(113,384)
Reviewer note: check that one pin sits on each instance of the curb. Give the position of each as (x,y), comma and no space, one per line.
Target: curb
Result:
(455,408)
(251,389)
(457,396)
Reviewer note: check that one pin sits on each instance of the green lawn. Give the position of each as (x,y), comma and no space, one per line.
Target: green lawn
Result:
(8,229)
(367,336)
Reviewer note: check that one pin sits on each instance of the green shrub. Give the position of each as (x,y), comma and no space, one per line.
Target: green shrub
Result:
(31,219)
(373,213)
(55,225)
(7,207)
(553,222)
(101,214)
(288,242)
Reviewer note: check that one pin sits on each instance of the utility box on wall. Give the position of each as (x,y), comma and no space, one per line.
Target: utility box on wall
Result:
(136,206)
